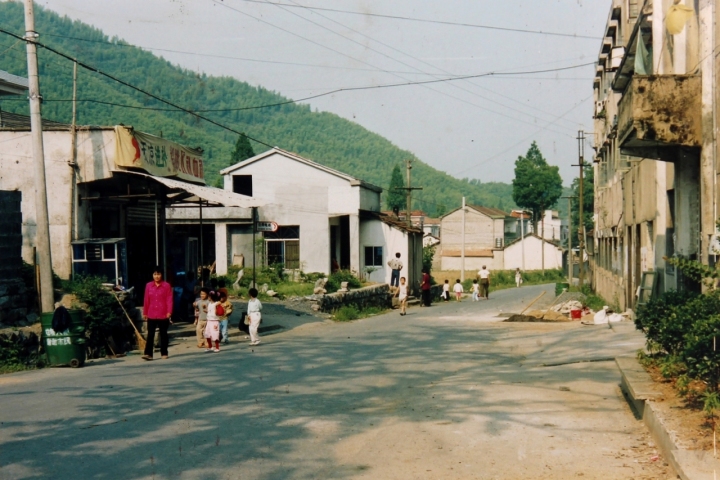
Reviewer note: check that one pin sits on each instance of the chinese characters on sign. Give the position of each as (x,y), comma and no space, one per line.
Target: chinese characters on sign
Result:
(157,156)
(49,333)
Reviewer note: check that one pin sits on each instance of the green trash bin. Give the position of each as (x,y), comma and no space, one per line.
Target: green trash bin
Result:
(559,287)
(68,347)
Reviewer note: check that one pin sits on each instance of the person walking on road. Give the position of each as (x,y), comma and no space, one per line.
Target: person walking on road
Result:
(458,289)
(395,265)
(475,291)
(425,288)
(225,319)
(253,310)
(402,294)
(157,312)
(212,326)
(484,275)
(518,277)
(201,311)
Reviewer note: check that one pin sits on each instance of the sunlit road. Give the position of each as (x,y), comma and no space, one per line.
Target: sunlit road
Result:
(444,392)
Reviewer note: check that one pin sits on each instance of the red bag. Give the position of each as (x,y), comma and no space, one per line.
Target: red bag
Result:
(219,310)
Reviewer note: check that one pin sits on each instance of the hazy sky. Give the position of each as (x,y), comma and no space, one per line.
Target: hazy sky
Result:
(469,128)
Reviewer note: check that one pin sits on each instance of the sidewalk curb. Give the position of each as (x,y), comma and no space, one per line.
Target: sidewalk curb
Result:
(638,389)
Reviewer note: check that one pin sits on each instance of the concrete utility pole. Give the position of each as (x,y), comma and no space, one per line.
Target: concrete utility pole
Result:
(522,237)
(581,227)
(570,274)
(42,235)
(462,248)
(408,192)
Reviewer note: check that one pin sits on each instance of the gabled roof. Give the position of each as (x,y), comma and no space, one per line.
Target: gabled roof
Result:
(554,243)
(276,150)
(391,221)
(487,211)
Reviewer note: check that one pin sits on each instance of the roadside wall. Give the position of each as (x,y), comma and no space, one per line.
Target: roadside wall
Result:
(372,296)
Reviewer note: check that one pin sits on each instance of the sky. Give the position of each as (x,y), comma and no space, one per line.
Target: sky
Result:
(473,127)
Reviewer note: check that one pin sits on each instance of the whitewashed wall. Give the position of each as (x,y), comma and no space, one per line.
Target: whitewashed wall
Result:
(533,255)
(374,233)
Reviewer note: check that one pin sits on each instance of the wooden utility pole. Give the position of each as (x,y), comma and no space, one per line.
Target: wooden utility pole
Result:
(42,235)
(581,227)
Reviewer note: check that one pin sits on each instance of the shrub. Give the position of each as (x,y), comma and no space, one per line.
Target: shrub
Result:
(103,314)
(335,279)
(700,355)
(347,313)
(666,319)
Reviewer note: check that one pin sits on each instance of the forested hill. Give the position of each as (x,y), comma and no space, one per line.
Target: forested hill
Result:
(320,136)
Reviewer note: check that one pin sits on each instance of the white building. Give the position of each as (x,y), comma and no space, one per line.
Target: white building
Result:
(326,219)
(533,260)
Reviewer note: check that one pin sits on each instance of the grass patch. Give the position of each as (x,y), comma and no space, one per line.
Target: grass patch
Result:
(351,312)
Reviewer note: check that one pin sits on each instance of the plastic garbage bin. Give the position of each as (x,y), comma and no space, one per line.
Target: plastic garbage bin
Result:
(68,347)
(559,287)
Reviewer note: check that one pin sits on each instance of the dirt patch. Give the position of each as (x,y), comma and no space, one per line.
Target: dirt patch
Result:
(532,319)
(684,418)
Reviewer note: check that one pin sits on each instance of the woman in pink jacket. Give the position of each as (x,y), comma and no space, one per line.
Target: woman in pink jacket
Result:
(157,310)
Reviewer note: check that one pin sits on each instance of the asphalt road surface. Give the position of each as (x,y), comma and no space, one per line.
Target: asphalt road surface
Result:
(447,392)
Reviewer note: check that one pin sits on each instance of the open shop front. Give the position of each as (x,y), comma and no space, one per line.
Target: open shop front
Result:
(129,233)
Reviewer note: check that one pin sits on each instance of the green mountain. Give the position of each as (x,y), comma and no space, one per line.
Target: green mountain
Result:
(320,136)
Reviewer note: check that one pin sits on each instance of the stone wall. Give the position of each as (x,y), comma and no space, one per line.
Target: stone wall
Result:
(14,297)
(372,296)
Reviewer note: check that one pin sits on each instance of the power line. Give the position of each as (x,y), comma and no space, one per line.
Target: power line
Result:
(423,20)
(138,89)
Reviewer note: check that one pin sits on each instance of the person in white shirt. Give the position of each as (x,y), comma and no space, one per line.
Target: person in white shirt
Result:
(446,291)
(458,289)
(253,310)
(402,295)
(395,265)
(518,277)
(475,291)
(484,275)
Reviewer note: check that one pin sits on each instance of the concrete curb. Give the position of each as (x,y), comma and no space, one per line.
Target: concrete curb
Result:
(638,390)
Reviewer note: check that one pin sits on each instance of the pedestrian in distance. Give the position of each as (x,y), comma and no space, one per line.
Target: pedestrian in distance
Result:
(402,295)
(518,278)
(396,266)
(475,291)
(425,288)
(225,319)
(212,326)
(253,311)
(446,291)
(458,289)
(157,312)
(201,311)
(484,275)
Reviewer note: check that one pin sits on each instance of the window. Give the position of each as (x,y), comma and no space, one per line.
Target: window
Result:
(283,247)
(242,184)
(373,256)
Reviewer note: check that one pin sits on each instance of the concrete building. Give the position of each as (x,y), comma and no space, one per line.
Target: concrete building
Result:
(324,217)
(108,188)
(485,229)
(655,161)
(533,257)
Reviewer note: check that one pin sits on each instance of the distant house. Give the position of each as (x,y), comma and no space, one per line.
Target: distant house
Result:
(533,245)
(486,230)
(324,217)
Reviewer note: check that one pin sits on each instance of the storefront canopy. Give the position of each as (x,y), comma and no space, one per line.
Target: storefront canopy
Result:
(190,193)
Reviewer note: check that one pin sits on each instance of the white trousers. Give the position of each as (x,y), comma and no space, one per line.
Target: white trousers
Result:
(255,318)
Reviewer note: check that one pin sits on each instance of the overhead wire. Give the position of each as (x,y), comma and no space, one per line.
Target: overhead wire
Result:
(441,22)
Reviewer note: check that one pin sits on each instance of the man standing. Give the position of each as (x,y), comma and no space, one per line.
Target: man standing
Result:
(396,265)
(484,275)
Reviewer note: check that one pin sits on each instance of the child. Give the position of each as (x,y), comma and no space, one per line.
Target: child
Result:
(212,329)
(518,277)
(228,307)
(476,291)
(458,289)
(446,291)
(402,295)
(253,311)
(201,311)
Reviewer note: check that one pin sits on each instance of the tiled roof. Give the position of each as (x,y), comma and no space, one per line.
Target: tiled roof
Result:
(489,211)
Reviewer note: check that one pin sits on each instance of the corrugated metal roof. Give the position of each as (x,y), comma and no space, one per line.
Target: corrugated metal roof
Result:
(12,84)
(16,120)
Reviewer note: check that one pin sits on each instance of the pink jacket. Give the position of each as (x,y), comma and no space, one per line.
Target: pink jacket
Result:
(158,302)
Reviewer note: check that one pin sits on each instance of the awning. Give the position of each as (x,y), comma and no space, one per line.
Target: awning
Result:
(189,193)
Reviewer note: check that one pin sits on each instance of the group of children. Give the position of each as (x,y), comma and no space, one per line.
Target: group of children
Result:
(459,290)
(212,311)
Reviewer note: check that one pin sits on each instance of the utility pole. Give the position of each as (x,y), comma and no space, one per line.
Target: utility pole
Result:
(570,263)
(42,235)
(522,237)
(462,248)
(581,227)
(408,192)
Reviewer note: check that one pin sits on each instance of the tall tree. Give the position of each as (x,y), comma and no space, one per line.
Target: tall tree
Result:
(396,198)
(243,150)
(537,185)
(588,202)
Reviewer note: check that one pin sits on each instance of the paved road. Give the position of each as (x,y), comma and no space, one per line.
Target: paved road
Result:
(446,392)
